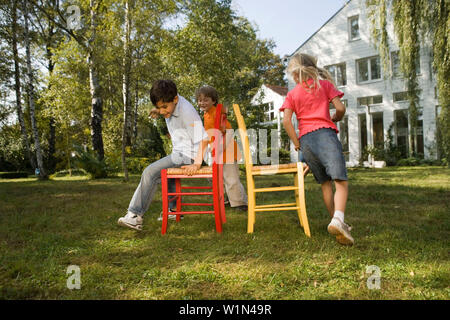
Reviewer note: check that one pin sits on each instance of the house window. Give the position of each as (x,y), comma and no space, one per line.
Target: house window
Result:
(333,109)
(400,96)
(367,101)
(353,26)
(368,69)
(344,102)
(343,137)
(338,73)
(401,131)
(440,151)
(363,136)
(395,64)
(378,132)
(417,136)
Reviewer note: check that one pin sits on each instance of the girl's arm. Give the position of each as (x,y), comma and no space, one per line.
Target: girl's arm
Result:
(287,123)
(340,109)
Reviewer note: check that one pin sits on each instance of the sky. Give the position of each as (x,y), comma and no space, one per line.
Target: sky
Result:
(287,22)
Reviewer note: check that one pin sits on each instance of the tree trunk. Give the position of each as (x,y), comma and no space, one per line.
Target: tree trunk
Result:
(126,90)
(52,135)
(96,100)
(135,113)
(30,92)
(23,128)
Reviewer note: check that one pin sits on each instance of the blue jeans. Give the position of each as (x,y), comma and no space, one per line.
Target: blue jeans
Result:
(151,178)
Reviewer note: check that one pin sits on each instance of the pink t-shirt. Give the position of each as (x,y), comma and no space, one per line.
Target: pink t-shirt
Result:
(312,106)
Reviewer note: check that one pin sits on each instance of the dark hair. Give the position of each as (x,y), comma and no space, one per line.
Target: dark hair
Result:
(165,90)
(209,92)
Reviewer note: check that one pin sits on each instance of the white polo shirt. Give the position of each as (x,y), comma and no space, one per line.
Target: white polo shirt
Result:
(186,129)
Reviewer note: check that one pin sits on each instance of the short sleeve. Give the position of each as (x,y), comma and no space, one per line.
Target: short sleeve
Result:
(287,103)
(331,90)
(194,125)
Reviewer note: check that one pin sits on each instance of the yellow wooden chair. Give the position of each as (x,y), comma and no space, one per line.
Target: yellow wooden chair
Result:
(293,168)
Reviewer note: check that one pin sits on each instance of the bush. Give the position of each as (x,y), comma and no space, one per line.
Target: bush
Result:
(13,175)
(73,172)
(409,162)
(88,161)
(415,161)
(134,164)
(138,164)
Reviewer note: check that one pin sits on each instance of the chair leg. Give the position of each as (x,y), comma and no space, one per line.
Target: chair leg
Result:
(251,207)
(178,190)
(216,201)
(165,200)
(297,200)
(222,194)
(301,193)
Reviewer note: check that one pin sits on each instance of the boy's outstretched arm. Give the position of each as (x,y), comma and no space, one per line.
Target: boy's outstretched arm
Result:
(192,168)
(290,128)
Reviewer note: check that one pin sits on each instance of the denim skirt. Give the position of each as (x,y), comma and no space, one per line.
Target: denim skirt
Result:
(322,151)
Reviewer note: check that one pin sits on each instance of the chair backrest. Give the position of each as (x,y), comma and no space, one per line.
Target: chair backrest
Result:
(244,139)
(217,146)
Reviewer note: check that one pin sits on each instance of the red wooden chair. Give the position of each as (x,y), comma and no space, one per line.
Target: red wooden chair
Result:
(214,172)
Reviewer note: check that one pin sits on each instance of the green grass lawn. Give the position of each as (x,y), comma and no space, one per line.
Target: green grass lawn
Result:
(400,218)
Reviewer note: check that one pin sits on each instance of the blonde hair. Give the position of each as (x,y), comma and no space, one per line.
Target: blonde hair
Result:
(302,67)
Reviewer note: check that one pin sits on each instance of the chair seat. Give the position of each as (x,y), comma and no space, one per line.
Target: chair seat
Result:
(179,171)
(272,169)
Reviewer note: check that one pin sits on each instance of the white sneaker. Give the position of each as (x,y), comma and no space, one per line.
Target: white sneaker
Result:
(170,216)
(131,220)
(341,231)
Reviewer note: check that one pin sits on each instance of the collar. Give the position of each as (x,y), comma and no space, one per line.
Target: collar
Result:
(176,112)
(212,111)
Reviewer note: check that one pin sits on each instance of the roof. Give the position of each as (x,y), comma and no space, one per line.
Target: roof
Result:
(288,56)
(278,89)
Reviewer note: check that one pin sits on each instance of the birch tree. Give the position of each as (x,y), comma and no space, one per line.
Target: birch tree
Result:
(89,46)
(17,83)
(30,93)
(126,87)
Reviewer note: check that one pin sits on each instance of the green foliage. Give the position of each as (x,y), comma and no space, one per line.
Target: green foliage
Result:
(233,60)
(72,172)
(137,165)
(12,151)
(417,22)
(88,161)
(411,161)
(219,48)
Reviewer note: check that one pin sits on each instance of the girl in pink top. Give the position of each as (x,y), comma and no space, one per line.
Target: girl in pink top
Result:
(317,140)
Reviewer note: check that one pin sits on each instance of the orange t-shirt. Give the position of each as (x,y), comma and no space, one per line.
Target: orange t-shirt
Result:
(208,122)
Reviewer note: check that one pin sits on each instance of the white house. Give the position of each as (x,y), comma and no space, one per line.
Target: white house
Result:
(374,101)
(271,98)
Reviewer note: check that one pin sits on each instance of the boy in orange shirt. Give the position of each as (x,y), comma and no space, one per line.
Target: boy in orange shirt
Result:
(207,98)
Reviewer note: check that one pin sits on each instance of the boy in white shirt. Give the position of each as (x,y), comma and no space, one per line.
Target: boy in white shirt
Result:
(189,142)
